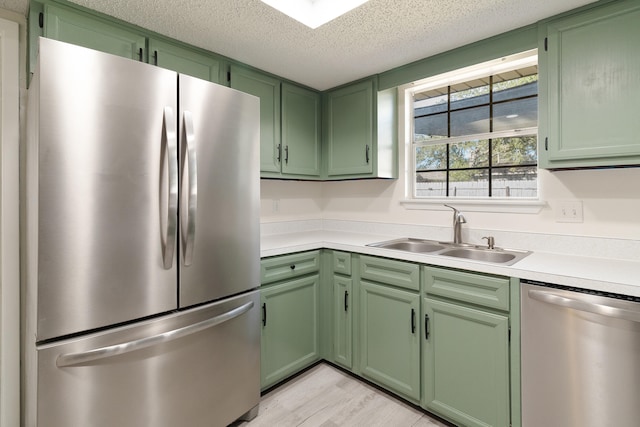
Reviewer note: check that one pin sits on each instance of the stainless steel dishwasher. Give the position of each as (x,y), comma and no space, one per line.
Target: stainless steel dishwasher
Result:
(580,357)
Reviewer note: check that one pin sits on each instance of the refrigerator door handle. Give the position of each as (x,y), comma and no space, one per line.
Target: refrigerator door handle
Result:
(85,357)
(171,228)
(189,156)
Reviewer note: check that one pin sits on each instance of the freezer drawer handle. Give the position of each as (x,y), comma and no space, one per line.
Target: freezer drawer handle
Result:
(171,228)
(189,155)
(79,359)
(576,304)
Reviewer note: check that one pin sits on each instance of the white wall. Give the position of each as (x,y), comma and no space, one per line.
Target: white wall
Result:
(610,197)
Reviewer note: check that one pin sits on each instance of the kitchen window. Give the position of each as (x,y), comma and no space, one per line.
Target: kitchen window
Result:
(474,132)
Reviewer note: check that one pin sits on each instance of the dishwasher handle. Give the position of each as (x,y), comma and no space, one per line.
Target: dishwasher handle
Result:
(79,359)
(581,305)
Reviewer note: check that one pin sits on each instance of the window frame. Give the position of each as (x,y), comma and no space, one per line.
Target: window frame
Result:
(482,70)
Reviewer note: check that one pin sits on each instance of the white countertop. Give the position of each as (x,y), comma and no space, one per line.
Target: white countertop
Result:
(609,275)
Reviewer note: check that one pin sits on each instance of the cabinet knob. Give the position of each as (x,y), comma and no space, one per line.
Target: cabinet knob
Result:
(292,266)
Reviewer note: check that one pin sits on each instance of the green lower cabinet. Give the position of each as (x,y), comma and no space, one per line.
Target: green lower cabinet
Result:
(389,338)
(290,322)
(343,321)
(466,364)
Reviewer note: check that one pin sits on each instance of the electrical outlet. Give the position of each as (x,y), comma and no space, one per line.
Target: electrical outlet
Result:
(569,211)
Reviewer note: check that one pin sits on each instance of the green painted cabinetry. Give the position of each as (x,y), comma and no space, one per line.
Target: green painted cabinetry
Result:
(389,327)
(289,124)
(343,306)
(67,25)
(76,26)
(289,299)
(186,61)
(360,132)
(466,353)
(301,142)
(590,88)
(267,89)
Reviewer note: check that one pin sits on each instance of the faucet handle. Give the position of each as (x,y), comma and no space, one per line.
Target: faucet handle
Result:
(490,242)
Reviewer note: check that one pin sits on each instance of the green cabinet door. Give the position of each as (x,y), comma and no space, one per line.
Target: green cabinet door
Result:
(590,83)
(84,30)
(289,328)
(300,131)
(466,364)
(350,129)
(389,338)
(342,321)
(183,60)
(268,90)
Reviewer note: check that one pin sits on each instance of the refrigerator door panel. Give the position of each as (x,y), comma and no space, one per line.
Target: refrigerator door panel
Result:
(107,185)
(220,193)
(195,368)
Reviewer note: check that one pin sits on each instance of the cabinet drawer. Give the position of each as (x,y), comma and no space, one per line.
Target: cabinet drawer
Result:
(390,272)
(341,262)
(289,266)
(480,289)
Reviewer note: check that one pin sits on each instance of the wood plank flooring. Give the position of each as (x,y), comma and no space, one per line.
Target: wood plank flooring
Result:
(327,397)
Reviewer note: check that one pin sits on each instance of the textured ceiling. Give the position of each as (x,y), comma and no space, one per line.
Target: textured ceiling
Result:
(375,37)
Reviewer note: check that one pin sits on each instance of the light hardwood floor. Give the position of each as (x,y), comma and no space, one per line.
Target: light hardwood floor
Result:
(325,396)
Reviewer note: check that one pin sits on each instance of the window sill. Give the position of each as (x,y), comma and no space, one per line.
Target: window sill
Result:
(475,205)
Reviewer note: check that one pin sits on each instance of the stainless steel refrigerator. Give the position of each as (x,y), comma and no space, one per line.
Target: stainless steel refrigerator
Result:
(140,245)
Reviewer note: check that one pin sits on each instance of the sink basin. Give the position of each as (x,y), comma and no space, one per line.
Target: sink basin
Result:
(498,256)
(410,245)
(464,251)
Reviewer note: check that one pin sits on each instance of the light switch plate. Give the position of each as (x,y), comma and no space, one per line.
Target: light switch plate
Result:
(569,211)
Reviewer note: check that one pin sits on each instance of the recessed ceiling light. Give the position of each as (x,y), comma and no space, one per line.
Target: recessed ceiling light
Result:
(314,13)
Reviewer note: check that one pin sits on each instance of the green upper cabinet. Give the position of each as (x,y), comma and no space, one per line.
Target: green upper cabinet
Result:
(300,131)
(360,138)
(68,25)
(185,61)
(590,84)
(350,132)
(268,90)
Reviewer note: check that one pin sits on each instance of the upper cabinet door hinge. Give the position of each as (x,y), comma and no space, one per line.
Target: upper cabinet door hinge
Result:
(41,20)
(546,44)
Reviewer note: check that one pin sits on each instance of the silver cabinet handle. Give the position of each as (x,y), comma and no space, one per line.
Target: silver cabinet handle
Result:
(79,359)
(189,156)
(577,304)
(170,142)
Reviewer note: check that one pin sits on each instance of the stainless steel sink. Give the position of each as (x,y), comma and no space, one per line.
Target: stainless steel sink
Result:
(455,250)
(410,245)
(498,256)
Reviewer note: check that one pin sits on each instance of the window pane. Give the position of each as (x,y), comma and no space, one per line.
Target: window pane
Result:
(431,184)
(430,127)
(469,183)
(469,122)
(428,103)
(515,182)
(431,157)
(515,150)
(519,114)
(472,97)
(469,154)
(515,88)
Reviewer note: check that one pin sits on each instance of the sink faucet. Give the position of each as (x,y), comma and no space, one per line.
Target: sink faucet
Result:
(458,220)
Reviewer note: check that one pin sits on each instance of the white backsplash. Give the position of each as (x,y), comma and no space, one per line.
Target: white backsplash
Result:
(622,249)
